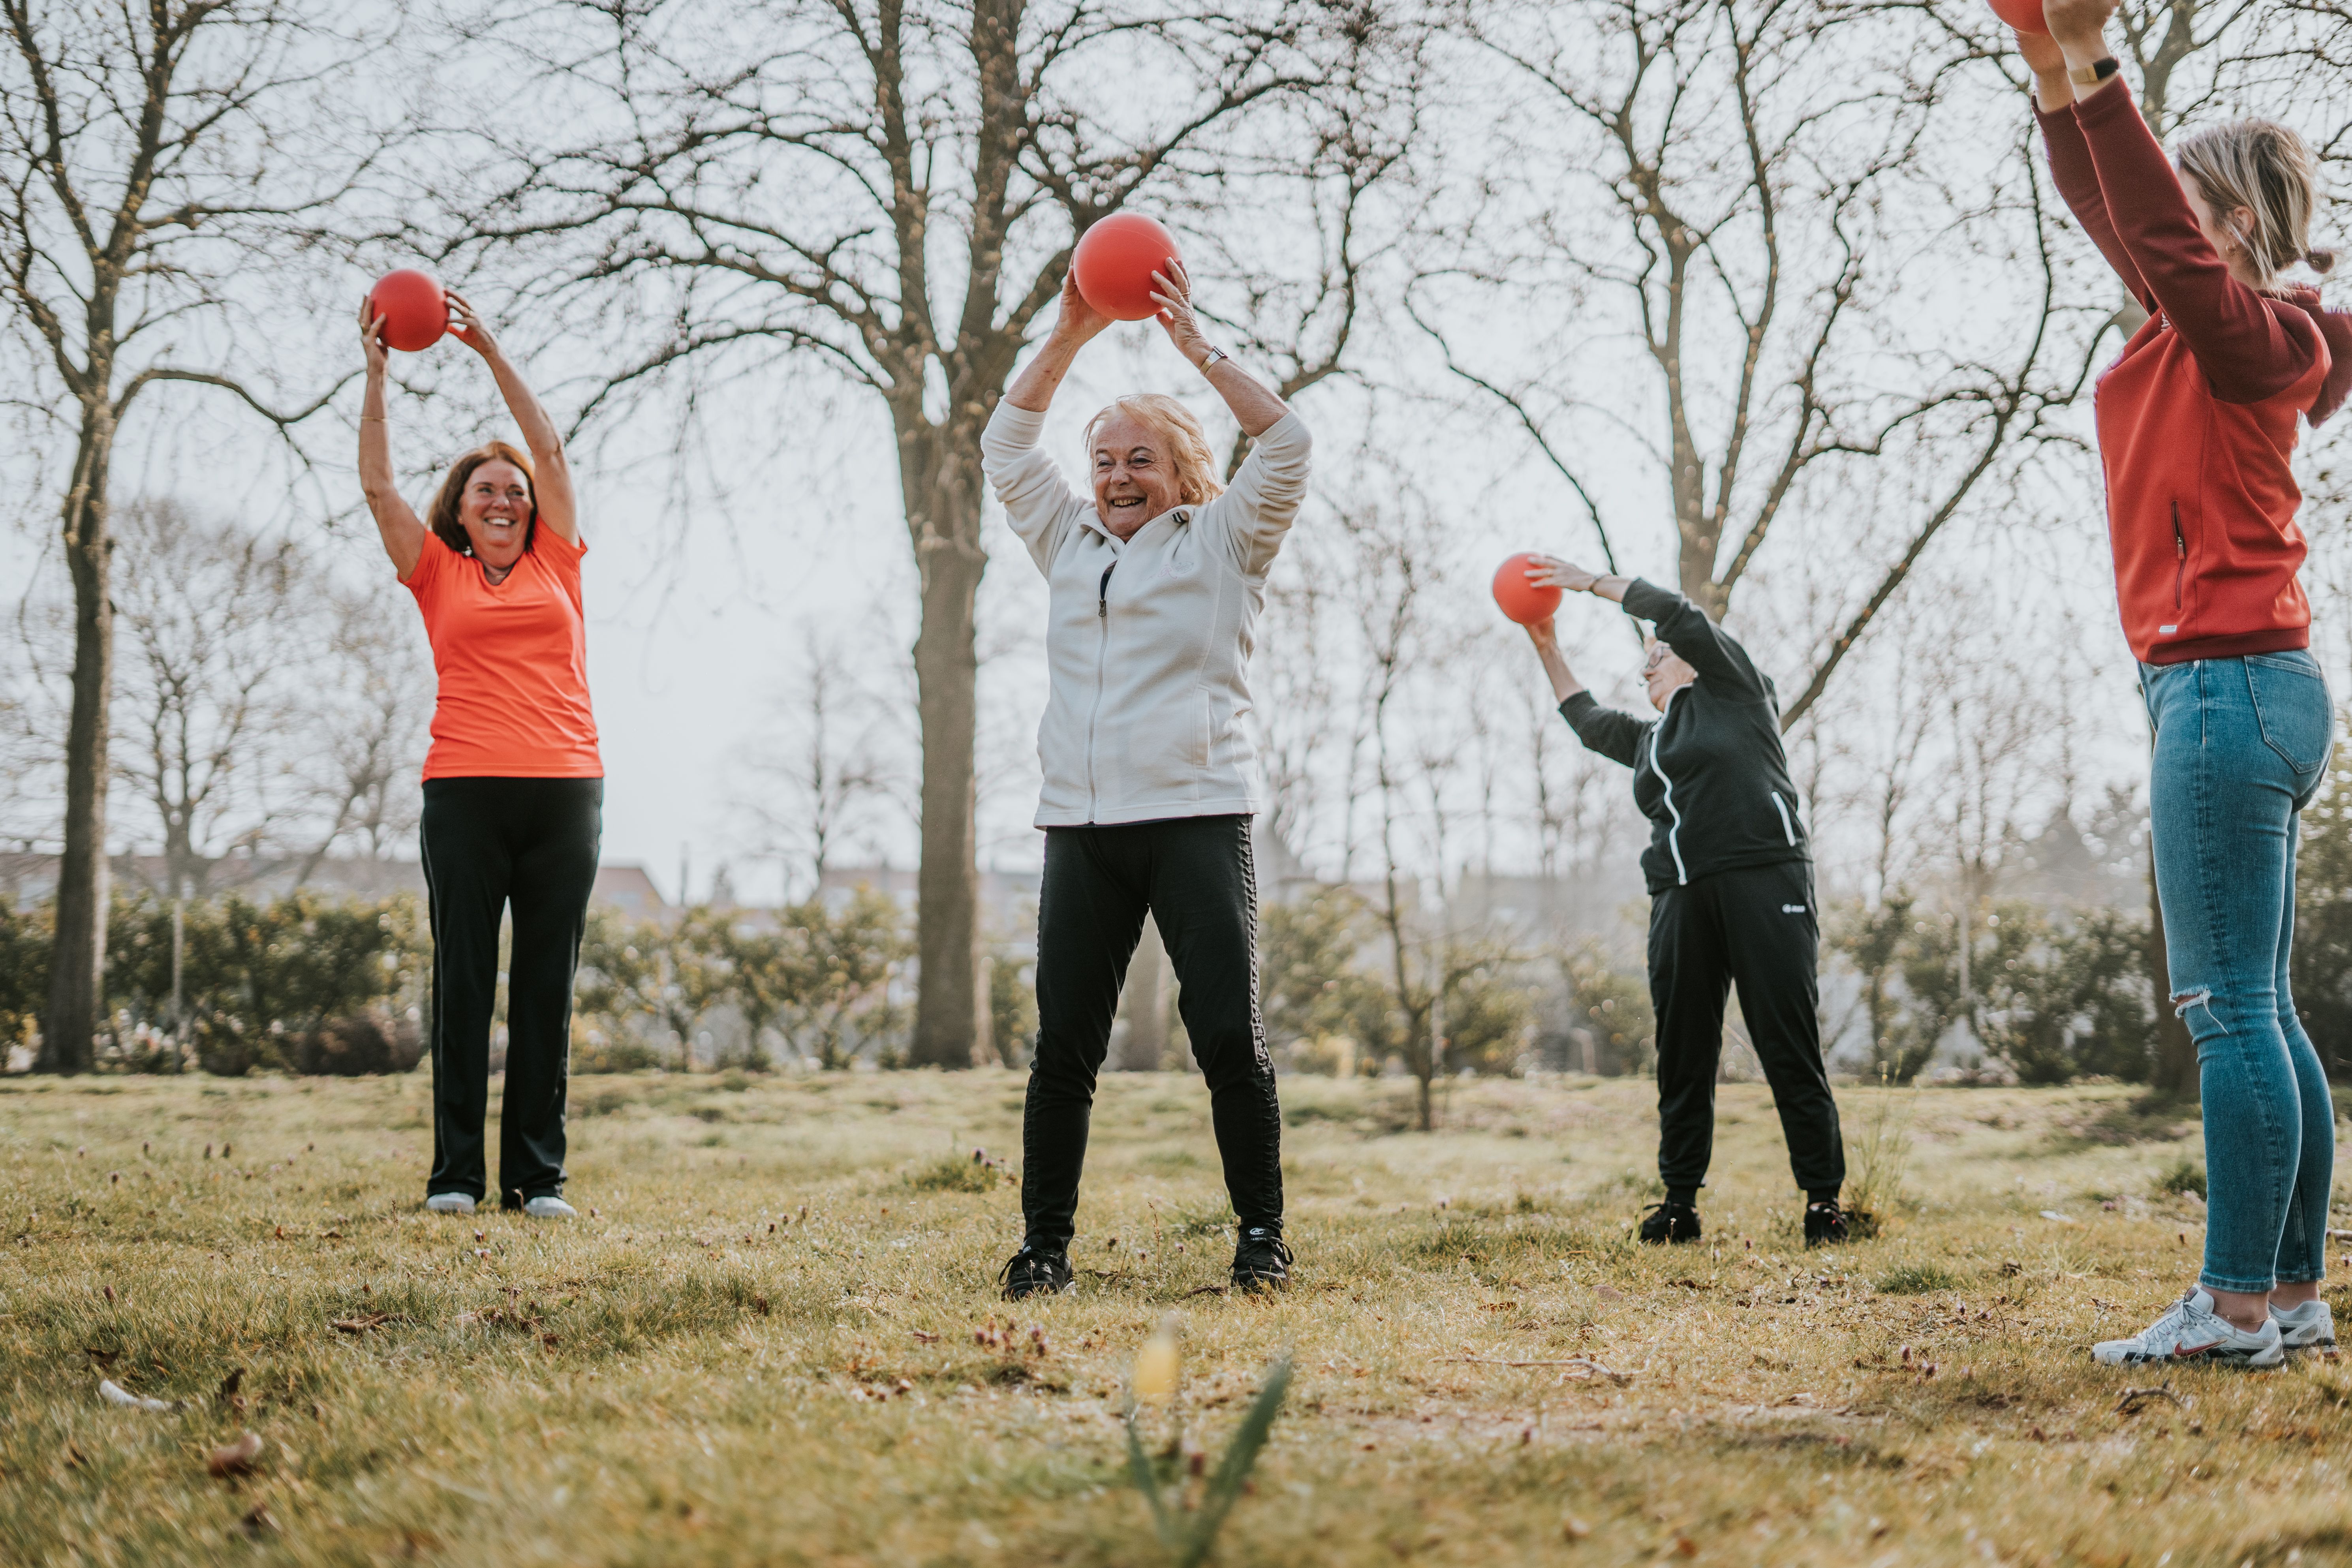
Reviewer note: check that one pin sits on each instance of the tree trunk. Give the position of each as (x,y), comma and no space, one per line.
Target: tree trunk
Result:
(940,474)
(78,962)
(1143,1006)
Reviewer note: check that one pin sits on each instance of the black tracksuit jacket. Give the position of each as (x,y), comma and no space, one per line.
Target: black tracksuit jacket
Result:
(1709,772)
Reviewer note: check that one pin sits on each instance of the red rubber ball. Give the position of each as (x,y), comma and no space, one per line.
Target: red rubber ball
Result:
(1521,600)
(2025,15)
(1115,260)
(414,307)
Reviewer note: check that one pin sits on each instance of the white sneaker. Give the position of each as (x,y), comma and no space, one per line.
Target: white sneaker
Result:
(550,1208)
(2191,1331)
(450,1203)
(2310,1327)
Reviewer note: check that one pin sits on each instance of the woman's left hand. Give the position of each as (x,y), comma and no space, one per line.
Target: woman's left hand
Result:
(1551,572)
(1172,290)
(466,325)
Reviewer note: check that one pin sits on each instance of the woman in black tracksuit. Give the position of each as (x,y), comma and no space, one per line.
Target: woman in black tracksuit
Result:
(1731,890)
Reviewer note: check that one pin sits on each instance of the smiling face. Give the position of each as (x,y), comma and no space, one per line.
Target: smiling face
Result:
(1663,673)
(1135,476)
(495,512)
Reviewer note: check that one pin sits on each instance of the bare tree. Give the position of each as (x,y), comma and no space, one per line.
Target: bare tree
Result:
(891,191)
(134,144)
(1730,209)
(812,781)
(364,724)
(214,617)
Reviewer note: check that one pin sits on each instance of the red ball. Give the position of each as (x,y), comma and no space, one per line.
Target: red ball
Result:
(1115,260)
(414,307)
(1521,600)
(2025,15)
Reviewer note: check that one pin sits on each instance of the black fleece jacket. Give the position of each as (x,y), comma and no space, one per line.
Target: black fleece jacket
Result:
(1709,772)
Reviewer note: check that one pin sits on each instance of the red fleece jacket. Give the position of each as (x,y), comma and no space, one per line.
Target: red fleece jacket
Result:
(2197,418)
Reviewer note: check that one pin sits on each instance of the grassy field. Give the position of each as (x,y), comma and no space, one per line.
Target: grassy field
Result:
(777,1340)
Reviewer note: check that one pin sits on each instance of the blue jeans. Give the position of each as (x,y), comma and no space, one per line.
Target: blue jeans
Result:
(2241,744)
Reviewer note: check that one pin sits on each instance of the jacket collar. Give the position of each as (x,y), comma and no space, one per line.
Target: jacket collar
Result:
(1176,516)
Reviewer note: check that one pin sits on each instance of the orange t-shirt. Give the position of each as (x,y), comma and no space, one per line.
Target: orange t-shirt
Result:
(513,664)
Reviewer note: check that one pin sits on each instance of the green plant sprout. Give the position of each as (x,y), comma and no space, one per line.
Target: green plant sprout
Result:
(1188,1531)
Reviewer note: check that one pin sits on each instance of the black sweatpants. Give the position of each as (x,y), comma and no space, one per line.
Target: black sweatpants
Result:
(1754,927)
(1195,875)
(489,843)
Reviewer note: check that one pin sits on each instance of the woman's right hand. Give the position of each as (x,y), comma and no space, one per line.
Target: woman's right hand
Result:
(372,340)
(1078,321)
(2079,26)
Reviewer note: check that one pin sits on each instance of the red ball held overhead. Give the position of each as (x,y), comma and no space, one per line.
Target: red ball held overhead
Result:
(1115,260)
(2025,15)
(1521,600)
(414,307)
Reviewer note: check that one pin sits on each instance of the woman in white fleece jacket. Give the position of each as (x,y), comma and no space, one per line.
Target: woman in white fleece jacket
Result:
(1150,768)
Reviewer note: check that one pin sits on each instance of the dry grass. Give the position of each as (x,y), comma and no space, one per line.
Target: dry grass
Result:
(673,1382)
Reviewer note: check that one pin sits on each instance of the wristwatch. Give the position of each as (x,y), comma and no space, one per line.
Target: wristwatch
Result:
(2094,73)
(1215,355)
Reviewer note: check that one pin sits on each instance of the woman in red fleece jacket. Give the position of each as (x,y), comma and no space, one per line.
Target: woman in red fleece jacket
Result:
(2196,422)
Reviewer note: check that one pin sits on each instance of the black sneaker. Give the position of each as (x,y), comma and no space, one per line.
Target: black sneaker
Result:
(1669,1222)
(1035,1271)
(1260,1260)
(1825,1225)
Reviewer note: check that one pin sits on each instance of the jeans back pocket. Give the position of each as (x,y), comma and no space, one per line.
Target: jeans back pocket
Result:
(2290,698)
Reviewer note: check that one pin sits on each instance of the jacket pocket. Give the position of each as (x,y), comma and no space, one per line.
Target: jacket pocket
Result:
(2291,708)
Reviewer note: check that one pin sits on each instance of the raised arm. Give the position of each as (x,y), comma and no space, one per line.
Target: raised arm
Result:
(2076,176)
(1706,647)
(1254,408)
(2247,350)
(550,486)
(402,530)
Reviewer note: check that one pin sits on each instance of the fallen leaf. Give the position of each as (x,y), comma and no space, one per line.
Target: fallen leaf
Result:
(1609,1293)
(1574,1529)
(257,1521)
(236,1458)
(229,1384)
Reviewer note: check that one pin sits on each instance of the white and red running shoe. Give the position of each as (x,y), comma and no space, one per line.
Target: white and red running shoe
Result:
(2191,1331)
(2310,1327)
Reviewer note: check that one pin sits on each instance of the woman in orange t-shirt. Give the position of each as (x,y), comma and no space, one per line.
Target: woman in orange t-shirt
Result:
(514,789)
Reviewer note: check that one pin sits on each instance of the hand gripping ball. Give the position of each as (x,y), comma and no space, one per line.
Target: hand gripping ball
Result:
(1521,600)
(2025,15)
(414,307)
(1115,260)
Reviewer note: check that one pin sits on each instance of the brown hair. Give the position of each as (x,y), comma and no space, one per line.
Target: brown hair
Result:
(1180,432)
(2267,169)
(443,517)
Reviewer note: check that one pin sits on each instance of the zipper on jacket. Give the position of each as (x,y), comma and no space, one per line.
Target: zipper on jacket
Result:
(2179,556)
(1102,649)
(1786,825)
(1674,834)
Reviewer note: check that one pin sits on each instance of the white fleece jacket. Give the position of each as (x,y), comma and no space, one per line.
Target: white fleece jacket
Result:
(1148,643)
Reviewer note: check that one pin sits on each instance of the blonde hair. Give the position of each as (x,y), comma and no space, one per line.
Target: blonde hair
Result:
(1173,426)
(2267,169)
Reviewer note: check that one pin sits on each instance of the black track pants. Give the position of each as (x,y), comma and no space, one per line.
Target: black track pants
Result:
(1754,927)
(1195,877)
(489,843)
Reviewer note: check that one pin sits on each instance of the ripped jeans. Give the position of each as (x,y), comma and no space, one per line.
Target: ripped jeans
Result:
(2241,744)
